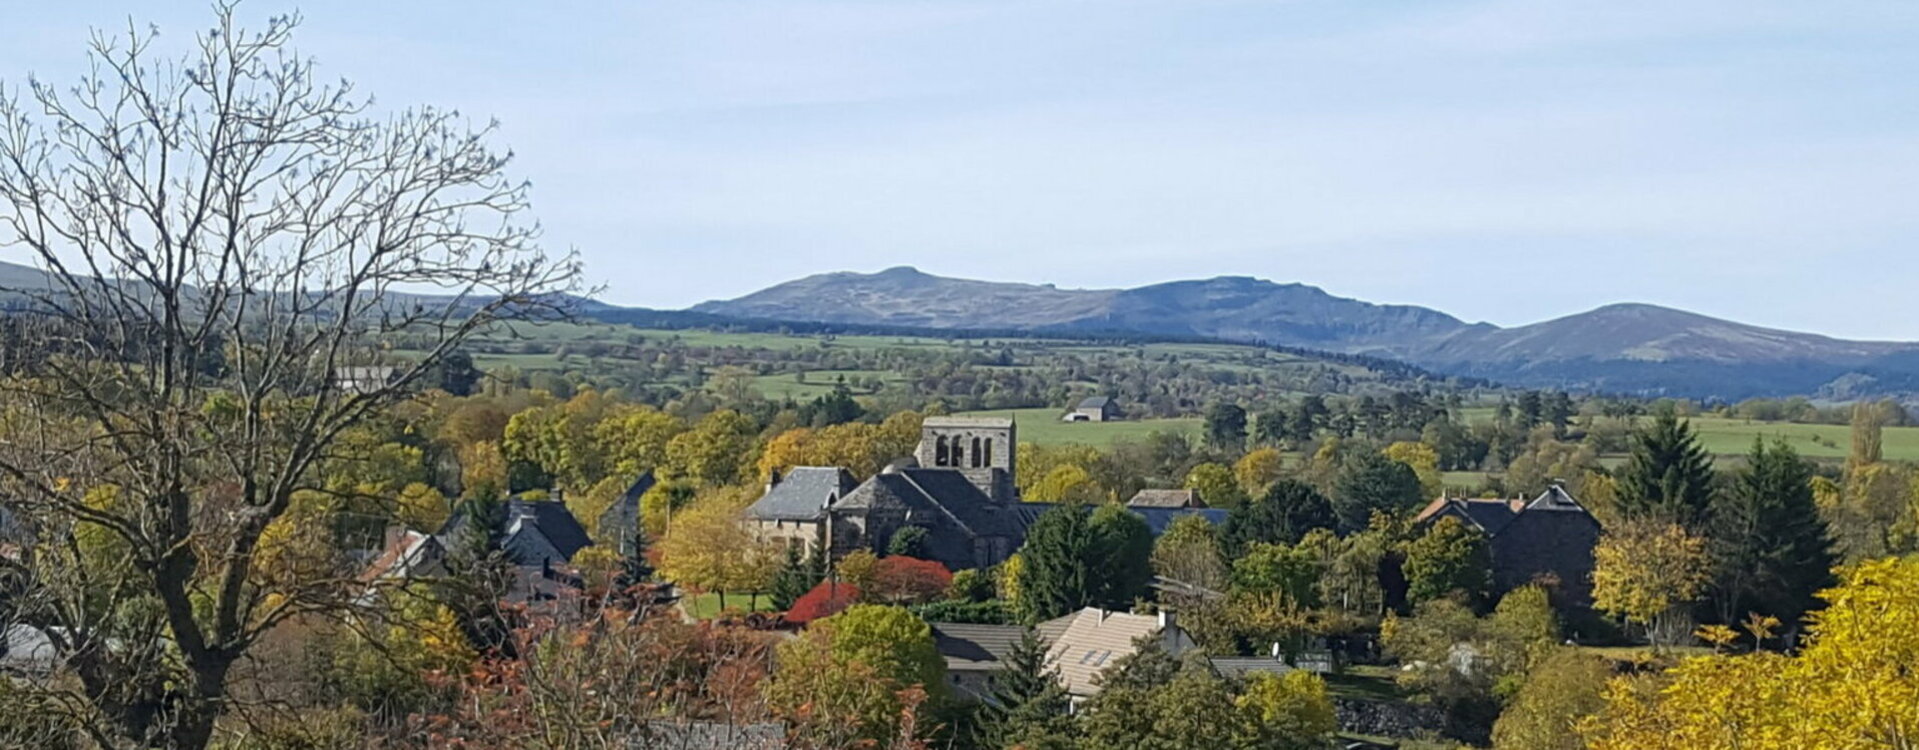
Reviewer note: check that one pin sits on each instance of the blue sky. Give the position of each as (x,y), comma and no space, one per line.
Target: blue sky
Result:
(1500,160)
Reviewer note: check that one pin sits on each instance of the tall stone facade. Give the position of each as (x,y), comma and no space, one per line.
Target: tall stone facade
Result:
(981,448)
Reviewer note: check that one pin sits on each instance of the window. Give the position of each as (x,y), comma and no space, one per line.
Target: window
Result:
(939,451)
(976,453)
(988,460)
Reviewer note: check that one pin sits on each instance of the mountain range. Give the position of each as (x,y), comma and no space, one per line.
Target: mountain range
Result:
(1623,348)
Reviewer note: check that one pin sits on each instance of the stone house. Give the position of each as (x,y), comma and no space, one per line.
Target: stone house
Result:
(793,510)
(1549,539)
(1094,409)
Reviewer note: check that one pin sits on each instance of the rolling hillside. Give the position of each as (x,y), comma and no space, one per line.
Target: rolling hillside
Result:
(1628,348)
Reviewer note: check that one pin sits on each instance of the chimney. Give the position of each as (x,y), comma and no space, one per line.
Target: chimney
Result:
(1167,620)
(772,479)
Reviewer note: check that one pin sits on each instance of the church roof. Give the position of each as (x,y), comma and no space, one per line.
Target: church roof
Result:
(946,492)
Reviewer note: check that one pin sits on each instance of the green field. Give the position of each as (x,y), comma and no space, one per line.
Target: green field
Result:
(1043,427)
(818,383)
(1724,436)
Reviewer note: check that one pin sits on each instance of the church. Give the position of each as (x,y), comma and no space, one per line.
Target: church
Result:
(958,486)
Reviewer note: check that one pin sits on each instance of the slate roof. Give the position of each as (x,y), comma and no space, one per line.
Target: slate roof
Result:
(1165,499)
(975,648)
(945,492)
(1157,519)
(1093,640)
(557,532)
(1490,515)
(1096,402)
(803,494)
(1493,515)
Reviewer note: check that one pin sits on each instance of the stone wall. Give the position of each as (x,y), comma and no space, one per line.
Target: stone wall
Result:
(1383,719)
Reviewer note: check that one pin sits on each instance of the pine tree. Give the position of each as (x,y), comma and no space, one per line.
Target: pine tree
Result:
(478,575)
(1770,545)
(794,579)
(635,569)
(1059,547)
(1668,476)
(1028,705)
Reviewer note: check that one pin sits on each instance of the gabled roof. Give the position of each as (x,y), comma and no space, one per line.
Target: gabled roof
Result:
(970,647)
(1096,402)
(945,492)
(803,494)
(1165,499)
(1493,515)
(558,530)
(405,555)
(1092,640)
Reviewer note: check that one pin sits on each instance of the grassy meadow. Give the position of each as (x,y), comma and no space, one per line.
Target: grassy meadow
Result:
(1043,427)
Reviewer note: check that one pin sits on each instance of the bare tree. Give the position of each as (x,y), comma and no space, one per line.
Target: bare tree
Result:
(220,241)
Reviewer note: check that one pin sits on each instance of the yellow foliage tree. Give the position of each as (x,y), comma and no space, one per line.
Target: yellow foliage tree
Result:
(1425,463)
(1644,572)
(1852,688)
(1258,470)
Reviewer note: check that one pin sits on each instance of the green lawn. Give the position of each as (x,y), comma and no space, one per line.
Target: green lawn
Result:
(1043,427)
(1364,681)
(706,606)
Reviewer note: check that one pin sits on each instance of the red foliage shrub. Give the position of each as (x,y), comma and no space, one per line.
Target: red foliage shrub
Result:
(907,580)
(825,600)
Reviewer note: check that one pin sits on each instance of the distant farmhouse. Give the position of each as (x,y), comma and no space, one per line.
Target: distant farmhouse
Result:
(957,485)
(1549,539)
(1094,409)
(363,380)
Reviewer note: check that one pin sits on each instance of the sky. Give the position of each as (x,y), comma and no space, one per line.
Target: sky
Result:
(1501,160)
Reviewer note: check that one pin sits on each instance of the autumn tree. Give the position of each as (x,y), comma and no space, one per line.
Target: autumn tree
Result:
(846,678)
(1645,572)
(1189,552)
(1559,694)
(1216,486)
(1852,686)
(218,239)
(1448,559)
(1258,470)
(1424,462)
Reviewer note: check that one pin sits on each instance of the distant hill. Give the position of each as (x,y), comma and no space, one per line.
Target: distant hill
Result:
(1628,348)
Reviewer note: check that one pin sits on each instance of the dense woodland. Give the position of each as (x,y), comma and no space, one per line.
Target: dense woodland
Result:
(191,497)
